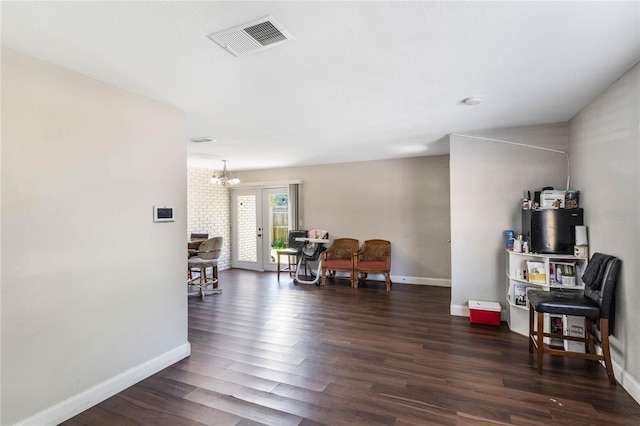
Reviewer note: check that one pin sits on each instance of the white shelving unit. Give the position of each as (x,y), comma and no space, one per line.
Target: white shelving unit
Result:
(517,266)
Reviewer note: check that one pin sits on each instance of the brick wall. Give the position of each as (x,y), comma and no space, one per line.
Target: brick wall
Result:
(208,210)
(247,249)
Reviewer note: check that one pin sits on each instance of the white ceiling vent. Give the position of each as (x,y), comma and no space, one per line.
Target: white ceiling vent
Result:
(252,37)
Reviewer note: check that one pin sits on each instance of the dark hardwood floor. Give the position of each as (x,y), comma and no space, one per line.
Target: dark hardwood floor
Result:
(274,353)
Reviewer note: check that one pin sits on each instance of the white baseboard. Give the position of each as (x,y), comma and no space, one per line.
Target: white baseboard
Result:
(400,279)
(436,282)
(459,310)
(628,382)
(98,393)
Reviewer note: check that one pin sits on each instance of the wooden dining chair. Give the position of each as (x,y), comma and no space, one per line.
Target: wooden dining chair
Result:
(339,257)
(374,258)
(206,257)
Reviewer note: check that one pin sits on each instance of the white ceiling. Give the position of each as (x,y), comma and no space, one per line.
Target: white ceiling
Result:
(361,80)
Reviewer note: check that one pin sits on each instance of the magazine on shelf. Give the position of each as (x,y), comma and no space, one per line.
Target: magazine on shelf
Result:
(557,327)
(536,272)
(520,294)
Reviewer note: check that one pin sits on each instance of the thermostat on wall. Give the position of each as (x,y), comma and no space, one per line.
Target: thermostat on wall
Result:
(162,214)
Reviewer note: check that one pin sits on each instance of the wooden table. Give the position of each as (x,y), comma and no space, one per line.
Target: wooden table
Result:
(194,244)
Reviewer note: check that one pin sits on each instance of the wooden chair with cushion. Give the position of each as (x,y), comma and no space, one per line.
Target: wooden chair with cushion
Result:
(195,239)
(594,303)
(206,257)
(374,258)
(339,257)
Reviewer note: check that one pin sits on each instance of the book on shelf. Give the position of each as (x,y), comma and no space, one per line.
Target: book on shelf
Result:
(562,272)
(520,294)
(536,272)
(557,327)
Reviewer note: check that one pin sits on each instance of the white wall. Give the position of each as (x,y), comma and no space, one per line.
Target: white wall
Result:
(405,201)
(604,140)
(488,180)
(208,210)
(93,296)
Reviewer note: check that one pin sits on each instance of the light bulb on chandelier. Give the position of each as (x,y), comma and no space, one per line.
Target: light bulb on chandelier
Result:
(224,178)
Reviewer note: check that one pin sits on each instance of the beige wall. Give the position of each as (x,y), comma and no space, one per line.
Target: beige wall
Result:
(488,180)
(91,290)
(405,201)
(605,147)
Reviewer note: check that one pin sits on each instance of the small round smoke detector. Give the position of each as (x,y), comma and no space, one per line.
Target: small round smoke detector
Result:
(474,100)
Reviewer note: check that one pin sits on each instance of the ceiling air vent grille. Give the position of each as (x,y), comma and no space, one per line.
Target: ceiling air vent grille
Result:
(252,37)
(265,33)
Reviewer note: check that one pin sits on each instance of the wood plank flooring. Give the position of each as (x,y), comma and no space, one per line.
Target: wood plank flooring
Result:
(274,353)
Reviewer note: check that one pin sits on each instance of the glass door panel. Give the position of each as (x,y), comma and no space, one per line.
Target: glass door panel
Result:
(246,229)
(276,218)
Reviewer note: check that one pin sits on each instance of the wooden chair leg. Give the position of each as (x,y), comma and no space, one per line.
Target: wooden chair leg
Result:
(531,334)
(387,281)
(540,339)
(587,329)
(604,339)
(289,268)
(278,265)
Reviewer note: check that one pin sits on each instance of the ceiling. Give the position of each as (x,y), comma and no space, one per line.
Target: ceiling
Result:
(360,81)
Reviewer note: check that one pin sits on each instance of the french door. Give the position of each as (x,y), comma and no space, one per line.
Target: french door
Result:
(259,222)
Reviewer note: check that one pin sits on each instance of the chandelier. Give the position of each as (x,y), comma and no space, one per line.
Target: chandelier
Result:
(224,177)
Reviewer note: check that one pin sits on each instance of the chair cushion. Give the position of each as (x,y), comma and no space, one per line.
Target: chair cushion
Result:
(288,252)
(337,263)
(196,262)
(565,302)
(372,265)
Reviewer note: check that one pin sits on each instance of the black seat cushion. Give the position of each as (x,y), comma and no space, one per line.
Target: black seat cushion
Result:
(564,302)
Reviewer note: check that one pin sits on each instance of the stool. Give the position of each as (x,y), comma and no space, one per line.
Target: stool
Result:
(289,252)
(594,304)
(201,280)
(294,249)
